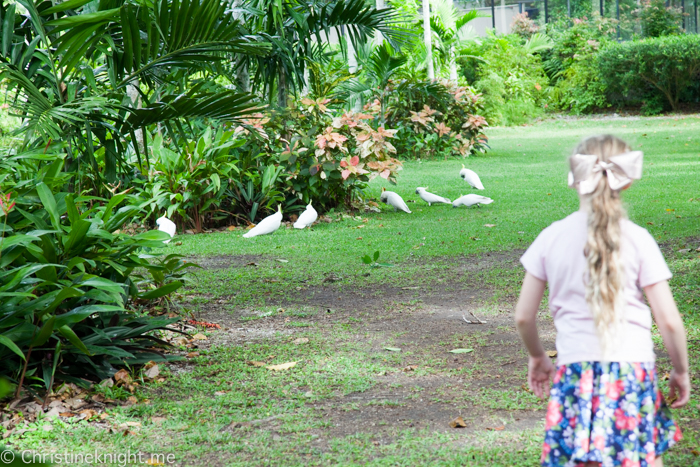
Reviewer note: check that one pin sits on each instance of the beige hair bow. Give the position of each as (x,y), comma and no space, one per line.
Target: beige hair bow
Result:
(586,171)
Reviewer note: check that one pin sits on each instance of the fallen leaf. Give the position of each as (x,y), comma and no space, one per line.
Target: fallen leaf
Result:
(301,340)
(199,337)
(122,377)
(130,425)
(461,350)
(358,238)
(551,353)
(525,388)
(192,354)
(104,415)
(219,393)
(254,363)
(131,400)
(650,223)
(282,260)
(410,288)
(152,372)
(231,227)
(695,452)
(410,368)
(458,423)
(158,420)
(392,349)
(75,403)
(498,428)
(153,461)
(180,341)
(88,413)
(489,225)
(107,383)
(282,366)
(666,377)
(67,414)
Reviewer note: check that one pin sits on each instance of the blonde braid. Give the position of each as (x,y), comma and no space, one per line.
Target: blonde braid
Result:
(605,283)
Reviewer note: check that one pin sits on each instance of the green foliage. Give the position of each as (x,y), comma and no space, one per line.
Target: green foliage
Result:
(657,19)
(651,69)
(572,63)
(69,295)
(510,77)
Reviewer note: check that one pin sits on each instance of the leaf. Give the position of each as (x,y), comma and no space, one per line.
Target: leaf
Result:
(283,260)
(73,339)
(122,377)
(392,349)
(254,363)
(281,366)
(11,345)
(366,259)
(551,353)
(498,428)
(458,423)
(376,255)
(161,291)
(489,225)
(44,333)
(461,350)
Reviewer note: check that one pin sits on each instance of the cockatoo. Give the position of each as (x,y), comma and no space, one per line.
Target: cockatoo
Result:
(166,225)
(471,200)
(471,178)
(393,199)
(306,218)
(430,198)
(267,225)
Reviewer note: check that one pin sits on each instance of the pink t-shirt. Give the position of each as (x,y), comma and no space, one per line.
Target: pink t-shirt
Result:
(556,256)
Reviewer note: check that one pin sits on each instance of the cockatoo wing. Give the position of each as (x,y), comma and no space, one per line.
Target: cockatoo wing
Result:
(471,200)
(397,201)
(472,178)
(306,218)
(433,198)
(265,226)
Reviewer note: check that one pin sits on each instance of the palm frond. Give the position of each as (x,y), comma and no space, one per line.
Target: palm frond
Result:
(538,42)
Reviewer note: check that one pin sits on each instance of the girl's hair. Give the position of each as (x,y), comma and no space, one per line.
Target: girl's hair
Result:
(604,287)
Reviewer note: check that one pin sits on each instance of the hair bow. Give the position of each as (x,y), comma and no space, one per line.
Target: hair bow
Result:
(620,170)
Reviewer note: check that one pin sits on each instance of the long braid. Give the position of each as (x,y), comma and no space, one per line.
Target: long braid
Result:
(605,282)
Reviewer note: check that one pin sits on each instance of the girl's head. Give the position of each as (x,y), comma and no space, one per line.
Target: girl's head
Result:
(605,281)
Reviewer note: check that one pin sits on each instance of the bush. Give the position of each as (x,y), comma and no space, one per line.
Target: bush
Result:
(69,299)
(511,78)
(658,20)
(435,119)
(523,26)
(652,70)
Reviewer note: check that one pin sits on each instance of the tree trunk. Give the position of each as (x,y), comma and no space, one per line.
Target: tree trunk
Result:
(282,91)
(427,38)
(135,98)
(243,78)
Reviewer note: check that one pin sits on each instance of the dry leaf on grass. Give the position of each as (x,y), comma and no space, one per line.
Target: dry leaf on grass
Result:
(301,340)
(551,353)
(131,400)
(489,225)
(87,414)
(122,377)
(498,428)
(410,368)
(192,354)
(392,349)
(254,363)
(458,423)
(153,461)
(525,388)
(152,372)
(461,350)
(282,366)
(199,337)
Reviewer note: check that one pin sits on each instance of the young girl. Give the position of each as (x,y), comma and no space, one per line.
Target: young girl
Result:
(605,407)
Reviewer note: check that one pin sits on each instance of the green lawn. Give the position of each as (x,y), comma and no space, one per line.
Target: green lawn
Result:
(310,414)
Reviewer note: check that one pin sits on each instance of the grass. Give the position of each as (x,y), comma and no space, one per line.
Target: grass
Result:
(190,414)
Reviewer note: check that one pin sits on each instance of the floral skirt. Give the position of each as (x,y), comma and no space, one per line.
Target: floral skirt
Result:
(612,413)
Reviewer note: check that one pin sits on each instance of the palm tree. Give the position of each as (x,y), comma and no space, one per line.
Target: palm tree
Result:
(70,68)
(298,28)
(452,33)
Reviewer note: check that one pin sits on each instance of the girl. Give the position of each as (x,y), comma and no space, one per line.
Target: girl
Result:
(605,407)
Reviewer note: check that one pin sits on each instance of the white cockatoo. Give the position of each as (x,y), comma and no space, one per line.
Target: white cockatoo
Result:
(393,199)
(166,225)
(471,178)
(267,225)
(430,198)
(306,218)
(471,200)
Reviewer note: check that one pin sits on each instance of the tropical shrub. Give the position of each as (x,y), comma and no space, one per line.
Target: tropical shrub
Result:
(652,71)
(657,19)
(71,305)
(510,76)
(434,119)
(523,26)
(572,63)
